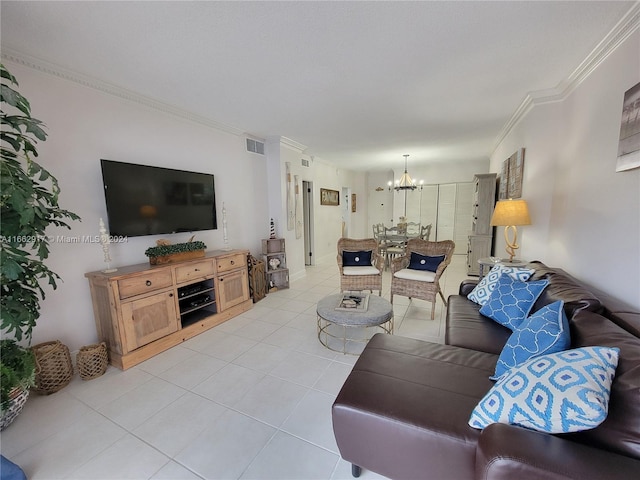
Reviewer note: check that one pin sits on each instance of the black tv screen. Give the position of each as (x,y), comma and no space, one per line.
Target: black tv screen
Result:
(144,200)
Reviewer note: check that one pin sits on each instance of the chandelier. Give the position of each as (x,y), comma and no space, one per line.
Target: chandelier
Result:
(405,182)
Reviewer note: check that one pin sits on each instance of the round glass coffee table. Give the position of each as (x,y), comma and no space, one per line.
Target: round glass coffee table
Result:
(336,328)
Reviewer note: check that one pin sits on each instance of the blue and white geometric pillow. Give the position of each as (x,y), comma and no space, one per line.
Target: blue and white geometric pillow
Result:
(482,291)
(546,331)
(512,300)
(556,393)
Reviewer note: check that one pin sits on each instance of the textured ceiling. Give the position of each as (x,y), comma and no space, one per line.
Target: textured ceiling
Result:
(358,83)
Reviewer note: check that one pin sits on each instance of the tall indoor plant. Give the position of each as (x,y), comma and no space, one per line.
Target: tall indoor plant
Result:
(28,205)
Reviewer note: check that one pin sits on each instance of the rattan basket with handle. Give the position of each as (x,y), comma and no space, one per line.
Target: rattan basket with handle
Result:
(92,361)
(53,367)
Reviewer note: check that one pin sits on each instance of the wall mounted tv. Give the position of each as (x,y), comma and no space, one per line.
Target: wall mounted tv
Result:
(144,200)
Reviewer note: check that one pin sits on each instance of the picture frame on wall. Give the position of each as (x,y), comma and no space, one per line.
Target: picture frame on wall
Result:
(511,176)
(329,197)
(504,181)
(353,203)
(629,143)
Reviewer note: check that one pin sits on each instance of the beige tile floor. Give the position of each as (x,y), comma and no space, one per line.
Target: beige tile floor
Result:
(249,399)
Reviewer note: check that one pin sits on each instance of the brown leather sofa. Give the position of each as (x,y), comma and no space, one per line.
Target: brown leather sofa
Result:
(403,410)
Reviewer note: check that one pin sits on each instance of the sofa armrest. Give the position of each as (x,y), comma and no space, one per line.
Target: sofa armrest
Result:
(467,286)
(506,452)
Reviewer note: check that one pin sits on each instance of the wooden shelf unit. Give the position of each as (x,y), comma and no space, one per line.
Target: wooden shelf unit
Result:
(277,278)
(142,310)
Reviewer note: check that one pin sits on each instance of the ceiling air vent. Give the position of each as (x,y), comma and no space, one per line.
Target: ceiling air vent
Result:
(255,146)
(305,163)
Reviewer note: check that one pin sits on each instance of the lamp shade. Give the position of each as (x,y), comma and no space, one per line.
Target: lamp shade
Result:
(511,212)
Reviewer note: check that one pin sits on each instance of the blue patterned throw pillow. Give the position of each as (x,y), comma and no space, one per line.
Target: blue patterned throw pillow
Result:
(545,331)
(425,262)
(481,293)
(511,301)
(556,393)
(356,259)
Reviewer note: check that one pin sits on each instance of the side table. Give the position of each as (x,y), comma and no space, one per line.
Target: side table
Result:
(335,326)
(487,264)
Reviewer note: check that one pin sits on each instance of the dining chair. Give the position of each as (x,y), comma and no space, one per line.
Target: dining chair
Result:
(378,234)
(416,274)
(413,229)
(425,232)
(395,242)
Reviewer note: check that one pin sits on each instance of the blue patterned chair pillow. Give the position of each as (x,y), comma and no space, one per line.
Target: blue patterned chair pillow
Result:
(481,293)
(356,259)
(511,300)
(556,393)
(425,262)
(545,331)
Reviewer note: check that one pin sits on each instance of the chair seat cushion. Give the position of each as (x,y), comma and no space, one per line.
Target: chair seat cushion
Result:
(419,275)
(367,270)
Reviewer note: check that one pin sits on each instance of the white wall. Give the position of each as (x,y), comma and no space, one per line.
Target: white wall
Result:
(585,216)
(328,218)
(386,207)
(85,125)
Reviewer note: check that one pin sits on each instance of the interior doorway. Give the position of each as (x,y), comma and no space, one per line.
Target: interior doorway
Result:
(346,211)
(307,209)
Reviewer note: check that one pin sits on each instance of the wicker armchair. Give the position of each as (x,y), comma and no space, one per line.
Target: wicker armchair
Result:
(367,277)
(421,284)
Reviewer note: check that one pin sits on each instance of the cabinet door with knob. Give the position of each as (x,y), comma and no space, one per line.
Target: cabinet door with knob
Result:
(233,288)
(148,319)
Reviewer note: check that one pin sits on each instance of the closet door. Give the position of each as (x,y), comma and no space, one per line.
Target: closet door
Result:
(429,208)
(446,212)
(462,229)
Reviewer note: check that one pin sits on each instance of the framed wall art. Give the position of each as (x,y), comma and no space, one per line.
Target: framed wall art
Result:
(511,176)
(353,202)
(629,144)
(329,197)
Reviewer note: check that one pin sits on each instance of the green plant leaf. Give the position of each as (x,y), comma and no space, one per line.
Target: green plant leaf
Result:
(29,205)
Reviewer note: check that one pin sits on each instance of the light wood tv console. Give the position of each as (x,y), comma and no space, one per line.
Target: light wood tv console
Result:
(142,310)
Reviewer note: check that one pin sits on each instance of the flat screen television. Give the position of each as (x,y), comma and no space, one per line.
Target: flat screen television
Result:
(145,200)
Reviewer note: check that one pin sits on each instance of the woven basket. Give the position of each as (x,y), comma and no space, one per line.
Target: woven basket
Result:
(92,361)
(17,397)
(53,367)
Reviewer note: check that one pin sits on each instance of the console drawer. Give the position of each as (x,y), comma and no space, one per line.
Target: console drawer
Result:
(194,270)
(231,262)
(150,281)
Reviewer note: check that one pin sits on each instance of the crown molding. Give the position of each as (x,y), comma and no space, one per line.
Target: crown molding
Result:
(293,144)
(629,23)
(13,56)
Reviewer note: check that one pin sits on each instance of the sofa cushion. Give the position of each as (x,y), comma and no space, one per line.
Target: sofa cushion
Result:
(404,407)
(554,393)
(466,328)
(483,289)
(511,301)
(356,259)
(545,331)
(620,432)
(563,286)
(425,262)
